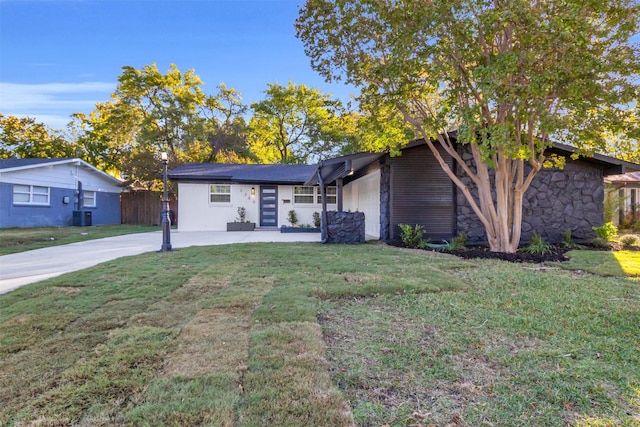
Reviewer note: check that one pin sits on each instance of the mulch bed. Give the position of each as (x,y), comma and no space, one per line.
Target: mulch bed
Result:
(555,253)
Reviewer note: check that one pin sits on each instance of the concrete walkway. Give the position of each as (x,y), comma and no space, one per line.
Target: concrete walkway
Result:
(32,266)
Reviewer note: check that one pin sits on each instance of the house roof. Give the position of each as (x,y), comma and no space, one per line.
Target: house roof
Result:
(14,164)
(631,178)
(611,165)
(11,165)
(341,167)
(242,173)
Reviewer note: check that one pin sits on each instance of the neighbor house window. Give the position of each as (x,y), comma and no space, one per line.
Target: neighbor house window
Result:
(331,195)
(219,193)
(303,195)
(30,195)
(89,198)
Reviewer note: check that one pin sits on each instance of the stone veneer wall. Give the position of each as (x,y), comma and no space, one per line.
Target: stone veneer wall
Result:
(557,200)
(385,202)
(344,227)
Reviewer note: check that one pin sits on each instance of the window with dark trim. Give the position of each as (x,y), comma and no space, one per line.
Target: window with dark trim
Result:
(332,195)
(303,195)
(219,193)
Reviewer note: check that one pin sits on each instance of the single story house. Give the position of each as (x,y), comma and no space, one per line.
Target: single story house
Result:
(407,189)
(625,191)
(209,194)
(56,192)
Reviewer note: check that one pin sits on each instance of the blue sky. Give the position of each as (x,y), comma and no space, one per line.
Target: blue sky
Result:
(58,57)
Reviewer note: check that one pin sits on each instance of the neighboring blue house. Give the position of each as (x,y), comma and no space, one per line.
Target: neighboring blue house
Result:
(56,192)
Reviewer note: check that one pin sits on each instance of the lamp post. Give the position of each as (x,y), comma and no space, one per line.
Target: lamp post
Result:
(166,220)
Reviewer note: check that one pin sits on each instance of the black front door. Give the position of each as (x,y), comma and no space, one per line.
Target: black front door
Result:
(268,206)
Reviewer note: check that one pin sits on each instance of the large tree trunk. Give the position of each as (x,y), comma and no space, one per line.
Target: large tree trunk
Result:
(499,191)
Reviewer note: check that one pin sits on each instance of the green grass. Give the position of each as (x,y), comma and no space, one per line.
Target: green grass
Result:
(320,335)
(13,240)
(623,263)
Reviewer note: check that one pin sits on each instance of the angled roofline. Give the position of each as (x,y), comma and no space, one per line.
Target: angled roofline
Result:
(622,166)
(276,174)
(342,167)
(57,162)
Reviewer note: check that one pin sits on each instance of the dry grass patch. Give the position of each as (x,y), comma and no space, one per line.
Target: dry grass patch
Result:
(287,382)
(214,341)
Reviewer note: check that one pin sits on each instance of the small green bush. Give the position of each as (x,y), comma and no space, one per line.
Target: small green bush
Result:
(537,245)
(316,219)
(242,214)
(599,242)
(412,236)
(568,240)
(458,243)
(628,240)
(292,217)
(607,231)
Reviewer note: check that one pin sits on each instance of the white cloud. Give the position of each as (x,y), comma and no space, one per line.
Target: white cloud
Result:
(52,103)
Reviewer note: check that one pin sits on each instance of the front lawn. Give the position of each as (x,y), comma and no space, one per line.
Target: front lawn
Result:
(320,335)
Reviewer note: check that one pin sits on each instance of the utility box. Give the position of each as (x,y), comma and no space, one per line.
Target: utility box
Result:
(82,218)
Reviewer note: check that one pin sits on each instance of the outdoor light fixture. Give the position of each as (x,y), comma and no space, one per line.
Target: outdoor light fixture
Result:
(348,167)
(253,191)
(166,220)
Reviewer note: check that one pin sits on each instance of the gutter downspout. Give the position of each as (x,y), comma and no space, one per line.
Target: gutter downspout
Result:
(324,230)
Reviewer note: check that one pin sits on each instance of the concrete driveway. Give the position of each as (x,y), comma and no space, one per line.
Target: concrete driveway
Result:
(32,266)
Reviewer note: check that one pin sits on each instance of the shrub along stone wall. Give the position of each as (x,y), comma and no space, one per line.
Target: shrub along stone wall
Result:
(557,200)
(344,227)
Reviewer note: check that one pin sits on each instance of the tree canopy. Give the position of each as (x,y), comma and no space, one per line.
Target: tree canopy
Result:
(152,112)
(511,77)
(24,137)
(298,124)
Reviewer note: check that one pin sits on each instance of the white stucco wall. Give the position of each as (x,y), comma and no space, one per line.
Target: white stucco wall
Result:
(363,195)
(196,213)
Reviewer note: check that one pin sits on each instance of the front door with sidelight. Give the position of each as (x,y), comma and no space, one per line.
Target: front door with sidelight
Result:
(269,206)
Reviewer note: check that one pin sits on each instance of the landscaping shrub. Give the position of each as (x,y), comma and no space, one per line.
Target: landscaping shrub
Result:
(537,245)
(412,236)
(567,240)
(242,214)
(599,242)
(630,222)
(458,243)
(292,217)
(316,219)
(607,231)
(628,240)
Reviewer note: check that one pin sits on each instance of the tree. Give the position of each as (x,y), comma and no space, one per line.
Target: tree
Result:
(297,124)
(511,76)
(26,138)
(625,144)
(152,112)
(226,128)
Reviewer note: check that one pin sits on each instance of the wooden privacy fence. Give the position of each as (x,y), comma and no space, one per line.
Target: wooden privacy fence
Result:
(144,207)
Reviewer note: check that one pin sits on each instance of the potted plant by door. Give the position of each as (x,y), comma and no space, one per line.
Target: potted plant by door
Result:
(241,223)
(295,228)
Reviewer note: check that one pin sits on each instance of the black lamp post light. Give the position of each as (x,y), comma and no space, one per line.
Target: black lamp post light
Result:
(166,219)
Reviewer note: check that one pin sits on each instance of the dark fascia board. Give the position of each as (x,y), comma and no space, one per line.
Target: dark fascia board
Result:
(611,164)
(333,169)
(241,174)
(230,180)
